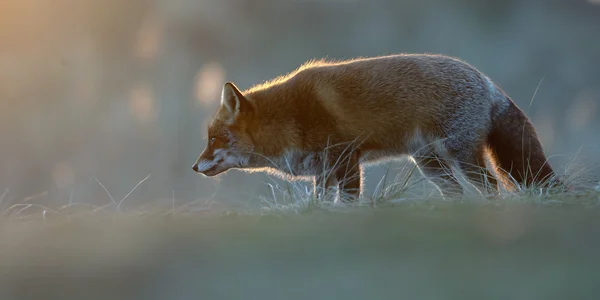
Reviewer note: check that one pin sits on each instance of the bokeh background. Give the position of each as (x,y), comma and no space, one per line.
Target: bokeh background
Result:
(117,90)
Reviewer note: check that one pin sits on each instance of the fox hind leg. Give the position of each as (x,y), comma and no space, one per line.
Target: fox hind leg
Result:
(471,163)
(439,173)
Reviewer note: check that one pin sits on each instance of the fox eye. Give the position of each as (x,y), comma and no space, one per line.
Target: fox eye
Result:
(221,139)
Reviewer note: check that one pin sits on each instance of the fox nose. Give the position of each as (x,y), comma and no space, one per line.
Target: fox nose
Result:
(195,167)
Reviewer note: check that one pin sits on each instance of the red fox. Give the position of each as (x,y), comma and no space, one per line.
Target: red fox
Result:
(328,119)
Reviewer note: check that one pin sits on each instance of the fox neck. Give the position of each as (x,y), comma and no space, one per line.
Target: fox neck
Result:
(261,159)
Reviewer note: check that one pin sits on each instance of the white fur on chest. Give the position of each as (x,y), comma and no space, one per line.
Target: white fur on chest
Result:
(297,164)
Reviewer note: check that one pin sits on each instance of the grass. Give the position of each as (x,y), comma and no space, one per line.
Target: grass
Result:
(394,244)
(403,251)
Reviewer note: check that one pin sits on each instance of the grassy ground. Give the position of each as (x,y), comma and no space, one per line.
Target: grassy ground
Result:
(521,247)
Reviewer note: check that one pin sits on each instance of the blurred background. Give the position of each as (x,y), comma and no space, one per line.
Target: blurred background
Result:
(116,90)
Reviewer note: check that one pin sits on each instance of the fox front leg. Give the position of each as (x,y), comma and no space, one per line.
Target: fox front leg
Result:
(350,177)
(325,186)
(345,174)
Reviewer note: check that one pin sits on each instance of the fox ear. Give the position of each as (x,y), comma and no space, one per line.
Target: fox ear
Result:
(233,100)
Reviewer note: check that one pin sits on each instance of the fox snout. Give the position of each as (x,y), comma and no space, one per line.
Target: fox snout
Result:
(206,165)
(211,163)
(205,168)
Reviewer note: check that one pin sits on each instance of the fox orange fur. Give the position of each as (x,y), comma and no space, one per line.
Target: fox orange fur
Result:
(326,120)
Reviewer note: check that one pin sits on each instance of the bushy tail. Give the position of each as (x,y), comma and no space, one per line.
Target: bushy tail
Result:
(516,149)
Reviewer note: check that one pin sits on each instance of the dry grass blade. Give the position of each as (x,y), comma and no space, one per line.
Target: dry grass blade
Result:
(135,187)
(36,196)
(4,196)
(106,190)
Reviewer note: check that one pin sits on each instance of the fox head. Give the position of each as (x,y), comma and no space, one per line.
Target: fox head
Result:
(230,144)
